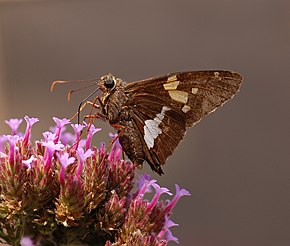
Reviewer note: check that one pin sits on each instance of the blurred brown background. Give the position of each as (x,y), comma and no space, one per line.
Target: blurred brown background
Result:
(235,162)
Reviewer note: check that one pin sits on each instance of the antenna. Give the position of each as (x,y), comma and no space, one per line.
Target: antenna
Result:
(56,82)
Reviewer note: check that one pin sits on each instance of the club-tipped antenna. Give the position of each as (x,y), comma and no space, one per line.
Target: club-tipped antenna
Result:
(83,101)
(70,81)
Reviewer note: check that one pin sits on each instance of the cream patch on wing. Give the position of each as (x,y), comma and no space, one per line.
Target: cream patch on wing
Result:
(179,96)
(171,85)
(185,108)
(217,75)
(172,78)
(194,90)
(152,129)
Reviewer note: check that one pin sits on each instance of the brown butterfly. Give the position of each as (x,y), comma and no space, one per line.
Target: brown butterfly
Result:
(152,115)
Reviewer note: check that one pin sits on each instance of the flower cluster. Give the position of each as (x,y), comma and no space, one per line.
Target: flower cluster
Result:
(62,191)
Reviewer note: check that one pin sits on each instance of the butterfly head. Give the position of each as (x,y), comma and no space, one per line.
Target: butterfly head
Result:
(108,83)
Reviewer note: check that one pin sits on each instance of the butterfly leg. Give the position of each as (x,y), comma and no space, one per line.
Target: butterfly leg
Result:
(82,106)
(90,116)
(115,138)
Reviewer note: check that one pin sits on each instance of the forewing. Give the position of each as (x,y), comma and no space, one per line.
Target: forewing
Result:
(194,94)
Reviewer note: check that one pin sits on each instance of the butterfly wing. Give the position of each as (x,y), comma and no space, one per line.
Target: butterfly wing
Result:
(160,128)
(163,107)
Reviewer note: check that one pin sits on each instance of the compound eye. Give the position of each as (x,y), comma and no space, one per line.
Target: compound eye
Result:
(110,83)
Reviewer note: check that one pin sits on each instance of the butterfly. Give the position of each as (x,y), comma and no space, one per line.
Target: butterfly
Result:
(152,115)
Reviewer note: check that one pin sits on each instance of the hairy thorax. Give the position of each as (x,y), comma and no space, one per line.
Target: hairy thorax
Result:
(114,105)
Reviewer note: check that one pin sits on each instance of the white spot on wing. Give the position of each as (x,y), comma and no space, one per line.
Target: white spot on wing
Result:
(152,129)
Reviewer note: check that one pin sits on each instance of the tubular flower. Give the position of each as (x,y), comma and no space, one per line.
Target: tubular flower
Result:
(53,193)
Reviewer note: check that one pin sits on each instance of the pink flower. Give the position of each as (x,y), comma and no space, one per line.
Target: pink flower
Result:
(116,151)
(178,195)
(12,141)
(13,124)
(166,233)
(65,161)
(28,162)
(27,241)
(144,184)
(52,187)
(48,136)
(158,192)
(51,147)
(60,123)
(92,130)
(82,156)
(30,122)
(78,130)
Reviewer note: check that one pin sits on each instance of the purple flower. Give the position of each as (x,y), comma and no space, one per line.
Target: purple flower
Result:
(170,237)
(144,184)
(144,178)
(28,162)
(65,161)
(91,131)
(53,187)
(169,223)
(178,195)
(66,138)
(116,151)
(48,136)
(78,130)
(13,124)
(166,233)
(12,141)
(27,241)
(158,191)
(30,122)
(51,147)
(60,123)
(82,156)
